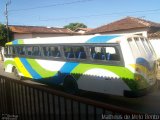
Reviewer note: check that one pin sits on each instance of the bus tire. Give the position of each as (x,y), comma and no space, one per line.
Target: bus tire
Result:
(70,85)
(15,72)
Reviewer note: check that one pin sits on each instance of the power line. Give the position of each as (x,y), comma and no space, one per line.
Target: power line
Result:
(97,15)
(46,6)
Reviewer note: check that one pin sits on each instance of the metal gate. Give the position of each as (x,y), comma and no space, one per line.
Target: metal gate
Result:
(25,101)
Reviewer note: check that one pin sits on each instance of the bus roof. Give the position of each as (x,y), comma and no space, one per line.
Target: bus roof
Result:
(68,39)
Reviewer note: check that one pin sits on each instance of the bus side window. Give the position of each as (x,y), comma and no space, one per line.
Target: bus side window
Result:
(104,53)
(5,51)
(20,50)
(113,54)
(74,52)
(68,51)
(51,51)
(36,51)
(10,50)
(14,50)
(79,52)
(45,51)
(54,51)
(29,50)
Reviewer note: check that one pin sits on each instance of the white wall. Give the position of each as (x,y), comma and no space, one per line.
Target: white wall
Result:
(156,45)
(142,31)
(81,31)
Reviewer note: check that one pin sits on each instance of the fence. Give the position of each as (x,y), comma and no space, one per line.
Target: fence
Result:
(25,101)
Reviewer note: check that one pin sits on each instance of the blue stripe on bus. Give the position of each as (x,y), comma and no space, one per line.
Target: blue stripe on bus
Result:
(101,39)
(68,67)
(15,42)
(65,70)
(34,74)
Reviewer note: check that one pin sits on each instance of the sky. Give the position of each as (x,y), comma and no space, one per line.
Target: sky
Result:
(93,13)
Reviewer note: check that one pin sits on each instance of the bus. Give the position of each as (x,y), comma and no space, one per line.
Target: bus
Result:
(108,64)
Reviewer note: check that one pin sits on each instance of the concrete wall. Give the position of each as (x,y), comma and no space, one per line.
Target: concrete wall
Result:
(142,32)
(156,45)
(81,31)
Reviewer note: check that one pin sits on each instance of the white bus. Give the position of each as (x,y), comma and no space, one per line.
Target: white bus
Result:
(109,64)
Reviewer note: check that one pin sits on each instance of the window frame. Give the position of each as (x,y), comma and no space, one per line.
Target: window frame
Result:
(86,47)
(107,62)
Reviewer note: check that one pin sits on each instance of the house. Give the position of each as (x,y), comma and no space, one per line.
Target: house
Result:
(21,32)
(128,25)
(82,30)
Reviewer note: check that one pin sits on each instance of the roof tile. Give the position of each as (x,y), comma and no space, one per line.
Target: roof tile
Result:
(39,29)
(124,24)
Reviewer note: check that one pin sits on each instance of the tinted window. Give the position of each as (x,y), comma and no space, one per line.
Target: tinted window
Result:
(74,52)
(8,50)
(36,51)
(51,51)
(20,50)
(104,53)
(29,50)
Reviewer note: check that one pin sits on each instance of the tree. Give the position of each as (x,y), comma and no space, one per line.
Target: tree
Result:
(74,26)
(3,35)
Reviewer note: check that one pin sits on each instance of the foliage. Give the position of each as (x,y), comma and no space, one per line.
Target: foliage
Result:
(3,35)
(74,26)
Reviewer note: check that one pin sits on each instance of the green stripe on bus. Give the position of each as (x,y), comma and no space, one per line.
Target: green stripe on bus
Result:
(122,72)
(20,41)
(11,62)
(40,70)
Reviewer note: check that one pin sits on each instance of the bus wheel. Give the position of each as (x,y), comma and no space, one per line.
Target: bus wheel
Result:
(17,76)
(70,85)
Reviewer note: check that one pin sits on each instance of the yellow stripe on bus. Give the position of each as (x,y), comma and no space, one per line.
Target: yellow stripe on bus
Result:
(21,67)
(142,68)
(9,43)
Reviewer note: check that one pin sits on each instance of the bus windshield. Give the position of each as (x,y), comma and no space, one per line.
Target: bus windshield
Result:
(141,47)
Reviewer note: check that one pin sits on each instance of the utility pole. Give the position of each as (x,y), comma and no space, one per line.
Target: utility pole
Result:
(6,14)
